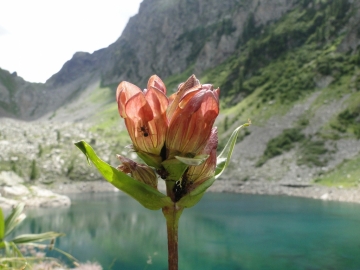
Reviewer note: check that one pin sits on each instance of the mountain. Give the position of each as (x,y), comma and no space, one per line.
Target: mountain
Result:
(166,38)
(292,66)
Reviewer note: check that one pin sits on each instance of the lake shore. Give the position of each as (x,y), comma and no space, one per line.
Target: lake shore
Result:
(249,187)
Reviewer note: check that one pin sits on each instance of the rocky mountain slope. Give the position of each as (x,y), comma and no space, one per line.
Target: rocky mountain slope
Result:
(184,34)
(292,66)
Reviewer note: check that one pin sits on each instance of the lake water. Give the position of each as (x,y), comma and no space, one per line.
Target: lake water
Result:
(224,231)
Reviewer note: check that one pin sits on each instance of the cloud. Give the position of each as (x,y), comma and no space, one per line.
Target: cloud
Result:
(45,34)
(3,31)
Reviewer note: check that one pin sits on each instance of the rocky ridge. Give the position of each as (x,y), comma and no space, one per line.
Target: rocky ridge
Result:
(183,34)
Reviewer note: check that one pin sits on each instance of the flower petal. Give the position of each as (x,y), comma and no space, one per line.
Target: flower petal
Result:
(124,92)
(182,90)
(137,108)
(157,83)
(191,124)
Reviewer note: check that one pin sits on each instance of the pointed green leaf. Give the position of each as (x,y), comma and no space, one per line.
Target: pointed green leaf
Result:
(146,195)
(28,238)
(7,249)
(224,157)
(69,256)
(2,225)
(16,250)
(15,218)
(194,196)
(193,161)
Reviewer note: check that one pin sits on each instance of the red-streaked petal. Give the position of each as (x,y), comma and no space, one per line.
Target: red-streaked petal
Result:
(137,108)
(157,83)
(157,101)
(190,127)
(124,92)
(182,90)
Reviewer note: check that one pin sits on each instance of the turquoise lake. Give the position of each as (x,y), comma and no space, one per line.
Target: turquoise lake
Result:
(224,231)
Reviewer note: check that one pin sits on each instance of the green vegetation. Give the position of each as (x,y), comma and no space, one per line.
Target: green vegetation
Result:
(280,144)
(347,174)
(349,119)
(312,153)
(12,255)
(8,81)
(34,171)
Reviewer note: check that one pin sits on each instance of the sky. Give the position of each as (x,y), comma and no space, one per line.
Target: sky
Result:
(38,36)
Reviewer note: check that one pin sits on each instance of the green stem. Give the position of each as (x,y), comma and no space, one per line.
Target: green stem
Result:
(172,215)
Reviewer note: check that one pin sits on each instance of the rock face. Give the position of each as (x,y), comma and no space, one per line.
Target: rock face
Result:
(165,37)
(183,33)
(13,191)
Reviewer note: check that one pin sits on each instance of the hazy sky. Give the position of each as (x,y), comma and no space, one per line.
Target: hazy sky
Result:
(38,36)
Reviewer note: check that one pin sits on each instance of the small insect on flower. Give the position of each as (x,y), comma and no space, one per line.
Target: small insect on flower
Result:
(144,130)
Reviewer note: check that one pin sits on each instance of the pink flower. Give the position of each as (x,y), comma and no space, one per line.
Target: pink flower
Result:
(191,116)
(145,117)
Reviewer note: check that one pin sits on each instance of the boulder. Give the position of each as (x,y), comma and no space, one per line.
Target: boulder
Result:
(12,192)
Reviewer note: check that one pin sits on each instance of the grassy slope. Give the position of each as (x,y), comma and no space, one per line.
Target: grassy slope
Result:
(280,65)
(274,68)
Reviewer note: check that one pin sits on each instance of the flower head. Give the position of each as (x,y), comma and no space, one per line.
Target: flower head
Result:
(191,116)
(145,117)
(174,135)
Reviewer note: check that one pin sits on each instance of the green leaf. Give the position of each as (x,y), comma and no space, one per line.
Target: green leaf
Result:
(194,196)
(29,238)
(7,249)
(2,225)
(193,161)
(15,249)
(15,218)
(224,157)
(146,195)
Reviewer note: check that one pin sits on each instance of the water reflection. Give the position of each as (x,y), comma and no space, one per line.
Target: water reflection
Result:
(224,231)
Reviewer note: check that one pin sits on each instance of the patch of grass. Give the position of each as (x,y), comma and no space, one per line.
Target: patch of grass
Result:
(34,171)
(280,144)
(347,174)
(102,95)
(348,121)
(107,118)
(312,153)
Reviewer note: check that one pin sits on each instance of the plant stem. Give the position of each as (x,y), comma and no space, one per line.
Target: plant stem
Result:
(172,215)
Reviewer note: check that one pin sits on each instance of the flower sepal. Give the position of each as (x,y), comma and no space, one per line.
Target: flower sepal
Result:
(146,195)
(195,161)
(150,160)
(175,169)
(194,196)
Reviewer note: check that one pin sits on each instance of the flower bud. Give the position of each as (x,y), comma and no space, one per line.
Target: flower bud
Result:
(140,172)
(196,175)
